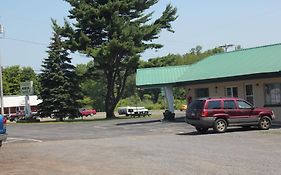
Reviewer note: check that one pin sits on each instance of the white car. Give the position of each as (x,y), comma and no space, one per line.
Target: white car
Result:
(133,111)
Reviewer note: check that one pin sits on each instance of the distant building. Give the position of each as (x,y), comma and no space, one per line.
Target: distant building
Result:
(16,104)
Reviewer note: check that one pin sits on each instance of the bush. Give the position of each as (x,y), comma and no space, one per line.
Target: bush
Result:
(178,103)
(130,101)
(147,102)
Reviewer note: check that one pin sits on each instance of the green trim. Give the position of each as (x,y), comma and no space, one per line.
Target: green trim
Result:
(218,80)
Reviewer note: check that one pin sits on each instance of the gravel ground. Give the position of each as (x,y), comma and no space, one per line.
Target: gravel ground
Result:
(153,148)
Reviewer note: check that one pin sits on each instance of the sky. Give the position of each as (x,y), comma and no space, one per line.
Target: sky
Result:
(248,23)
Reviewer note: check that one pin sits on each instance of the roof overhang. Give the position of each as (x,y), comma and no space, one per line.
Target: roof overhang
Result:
(215,80)
(247,64)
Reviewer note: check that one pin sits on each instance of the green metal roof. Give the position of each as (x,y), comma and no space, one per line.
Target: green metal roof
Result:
(160,75)
(246,62)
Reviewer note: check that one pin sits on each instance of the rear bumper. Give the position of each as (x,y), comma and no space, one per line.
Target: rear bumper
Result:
(206,122)
(3,137)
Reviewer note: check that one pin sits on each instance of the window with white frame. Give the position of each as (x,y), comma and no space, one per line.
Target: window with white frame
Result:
(202,92)
(272,94)
(231,91)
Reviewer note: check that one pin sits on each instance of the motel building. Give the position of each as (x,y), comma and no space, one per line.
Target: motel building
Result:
(253,74)
(16,104)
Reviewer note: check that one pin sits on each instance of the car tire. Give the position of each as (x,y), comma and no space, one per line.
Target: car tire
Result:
(202,130)
(265,123)
(220,125)
(0,143)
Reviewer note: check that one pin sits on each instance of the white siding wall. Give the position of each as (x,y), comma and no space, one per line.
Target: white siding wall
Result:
(258,88)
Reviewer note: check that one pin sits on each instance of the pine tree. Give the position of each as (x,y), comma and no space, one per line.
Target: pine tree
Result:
(60,85)
(114,33)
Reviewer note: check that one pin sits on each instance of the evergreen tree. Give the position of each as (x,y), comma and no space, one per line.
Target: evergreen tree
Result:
(60,85)
(114,33)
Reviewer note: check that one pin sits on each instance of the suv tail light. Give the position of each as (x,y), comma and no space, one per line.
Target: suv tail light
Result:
(204,113)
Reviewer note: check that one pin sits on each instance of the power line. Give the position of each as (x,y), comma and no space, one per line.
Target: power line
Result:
(25,41)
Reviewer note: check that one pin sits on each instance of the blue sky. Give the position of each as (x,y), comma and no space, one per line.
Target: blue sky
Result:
(200,22)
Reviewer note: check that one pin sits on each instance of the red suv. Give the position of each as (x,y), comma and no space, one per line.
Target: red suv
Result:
(219,113)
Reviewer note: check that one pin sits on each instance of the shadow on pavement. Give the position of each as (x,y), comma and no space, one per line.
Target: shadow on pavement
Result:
(276,126)
(139,122)
(177,120)
(230,130)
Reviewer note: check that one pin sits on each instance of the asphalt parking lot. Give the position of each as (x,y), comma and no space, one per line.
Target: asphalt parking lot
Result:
(104,147)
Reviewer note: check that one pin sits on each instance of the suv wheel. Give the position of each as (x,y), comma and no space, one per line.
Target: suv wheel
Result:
(265,123)
(220,125)
(202,130)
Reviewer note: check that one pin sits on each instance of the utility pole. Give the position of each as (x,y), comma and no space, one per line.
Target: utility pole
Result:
(1,78)
(226,46)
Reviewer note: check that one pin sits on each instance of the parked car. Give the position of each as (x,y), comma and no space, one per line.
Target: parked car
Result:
(183,107)
(87,112)
(20,115)
(133,111)
(16,116)
(3,134)
(220,113)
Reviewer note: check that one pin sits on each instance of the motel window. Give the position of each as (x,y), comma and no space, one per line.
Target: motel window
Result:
(272,94)
(231,92)
(249,93)
(202,92)
(6,110)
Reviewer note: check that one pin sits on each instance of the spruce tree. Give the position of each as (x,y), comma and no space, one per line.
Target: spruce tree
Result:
(115,33)
(60,85)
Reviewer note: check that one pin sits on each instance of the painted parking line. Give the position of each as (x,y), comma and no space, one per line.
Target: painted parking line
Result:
(11,140)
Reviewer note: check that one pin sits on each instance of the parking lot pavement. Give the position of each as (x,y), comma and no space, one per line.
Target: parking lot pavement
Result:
(151,148)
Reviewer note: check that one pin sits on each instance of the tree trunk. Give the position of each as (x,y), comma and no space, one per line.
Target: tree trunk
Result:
(61,119)
(110,101)
(110,111)
(113,95)
(110,105)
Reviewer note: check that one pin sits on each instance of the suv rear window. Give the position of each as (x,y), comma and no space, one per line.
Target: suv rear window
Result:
(197,104)
(216,104)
